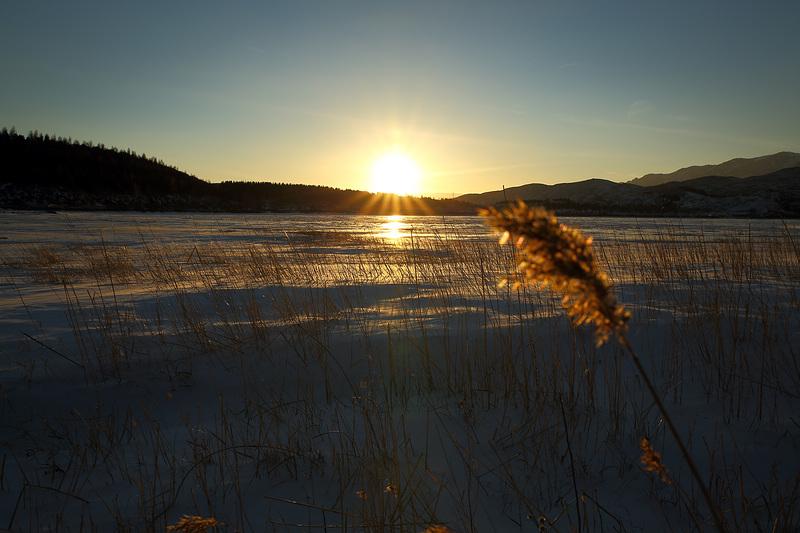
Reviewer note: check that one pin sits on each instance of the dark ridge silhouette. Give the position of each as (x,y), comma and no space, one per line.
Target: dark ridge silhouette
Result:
(43,172)
(739,167)
(61,162)
(775,195)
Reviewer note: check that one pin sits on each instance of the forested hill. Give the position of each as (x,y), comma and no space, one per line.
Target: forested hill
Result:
(43,172)
(57,162)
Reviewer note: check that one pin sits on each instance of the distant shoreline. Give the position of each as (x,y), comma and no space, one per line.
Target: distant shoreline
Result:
(42,173)
(561,213)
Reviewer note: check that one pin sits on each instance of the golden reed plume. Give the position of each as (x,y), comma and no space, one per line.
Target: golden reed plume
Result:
(651,459)
(438,528)
(559,257)
(193,524)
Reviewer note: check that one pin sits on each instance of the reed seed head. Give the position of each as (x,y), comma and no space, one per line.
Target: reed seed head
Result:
(193,524)
(651,460)
(560,258)
(438,528)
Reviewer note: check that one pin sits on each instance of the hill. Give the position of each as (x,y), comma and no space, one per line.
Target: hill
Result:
(776,194)
(583,192)
(42,172)
(736,168)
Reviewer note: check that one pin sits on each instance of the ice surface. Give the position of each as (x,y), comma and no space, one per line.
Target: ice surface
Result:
(296,372)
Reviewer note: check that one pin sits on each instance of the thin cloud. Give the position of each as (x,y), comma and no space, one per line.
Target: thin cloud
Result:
(478,170)
(685,132)
(640,108)
(384,126)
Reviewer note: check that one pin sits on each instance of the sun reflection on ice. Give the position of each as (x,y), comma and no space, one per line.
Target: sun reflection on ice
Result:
(394,227)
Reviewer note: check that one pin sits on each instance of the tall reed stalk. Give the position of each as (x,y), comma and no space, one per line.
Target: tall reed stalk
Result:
(556,256)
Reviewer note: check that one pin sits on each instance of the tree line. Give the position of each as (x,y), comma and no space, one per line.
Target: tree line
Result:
(61,169)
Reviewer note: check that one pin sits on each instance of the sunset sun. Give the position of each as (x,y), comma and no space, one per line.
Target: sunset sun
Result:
(396,172)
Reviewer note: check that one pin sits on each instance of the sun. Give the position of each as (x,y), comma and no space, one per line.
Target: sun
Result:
(397,173)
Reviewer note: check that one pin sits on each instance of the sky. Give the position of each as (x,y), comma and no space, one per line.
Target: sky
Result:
(480,94)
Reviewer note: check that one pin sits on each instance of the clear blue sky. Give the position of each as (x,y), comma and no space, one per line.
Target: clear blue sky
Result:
(480,94)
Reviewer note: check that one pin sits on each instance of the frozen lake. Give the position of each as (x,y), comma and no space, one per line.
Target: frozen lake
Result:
(296,372)
(64,228)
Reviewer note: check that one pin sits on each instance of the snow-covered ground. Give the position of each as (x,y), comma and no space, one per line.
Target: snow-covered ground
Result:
(313,372)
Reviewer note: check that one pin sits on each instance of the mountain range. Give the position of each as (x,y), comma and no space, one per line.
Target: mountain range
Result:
(766,186)
(739,167)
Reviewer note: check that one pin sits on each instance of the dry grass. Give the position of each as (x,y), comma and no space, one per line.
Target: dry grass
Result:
(289,386)
(558,256)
